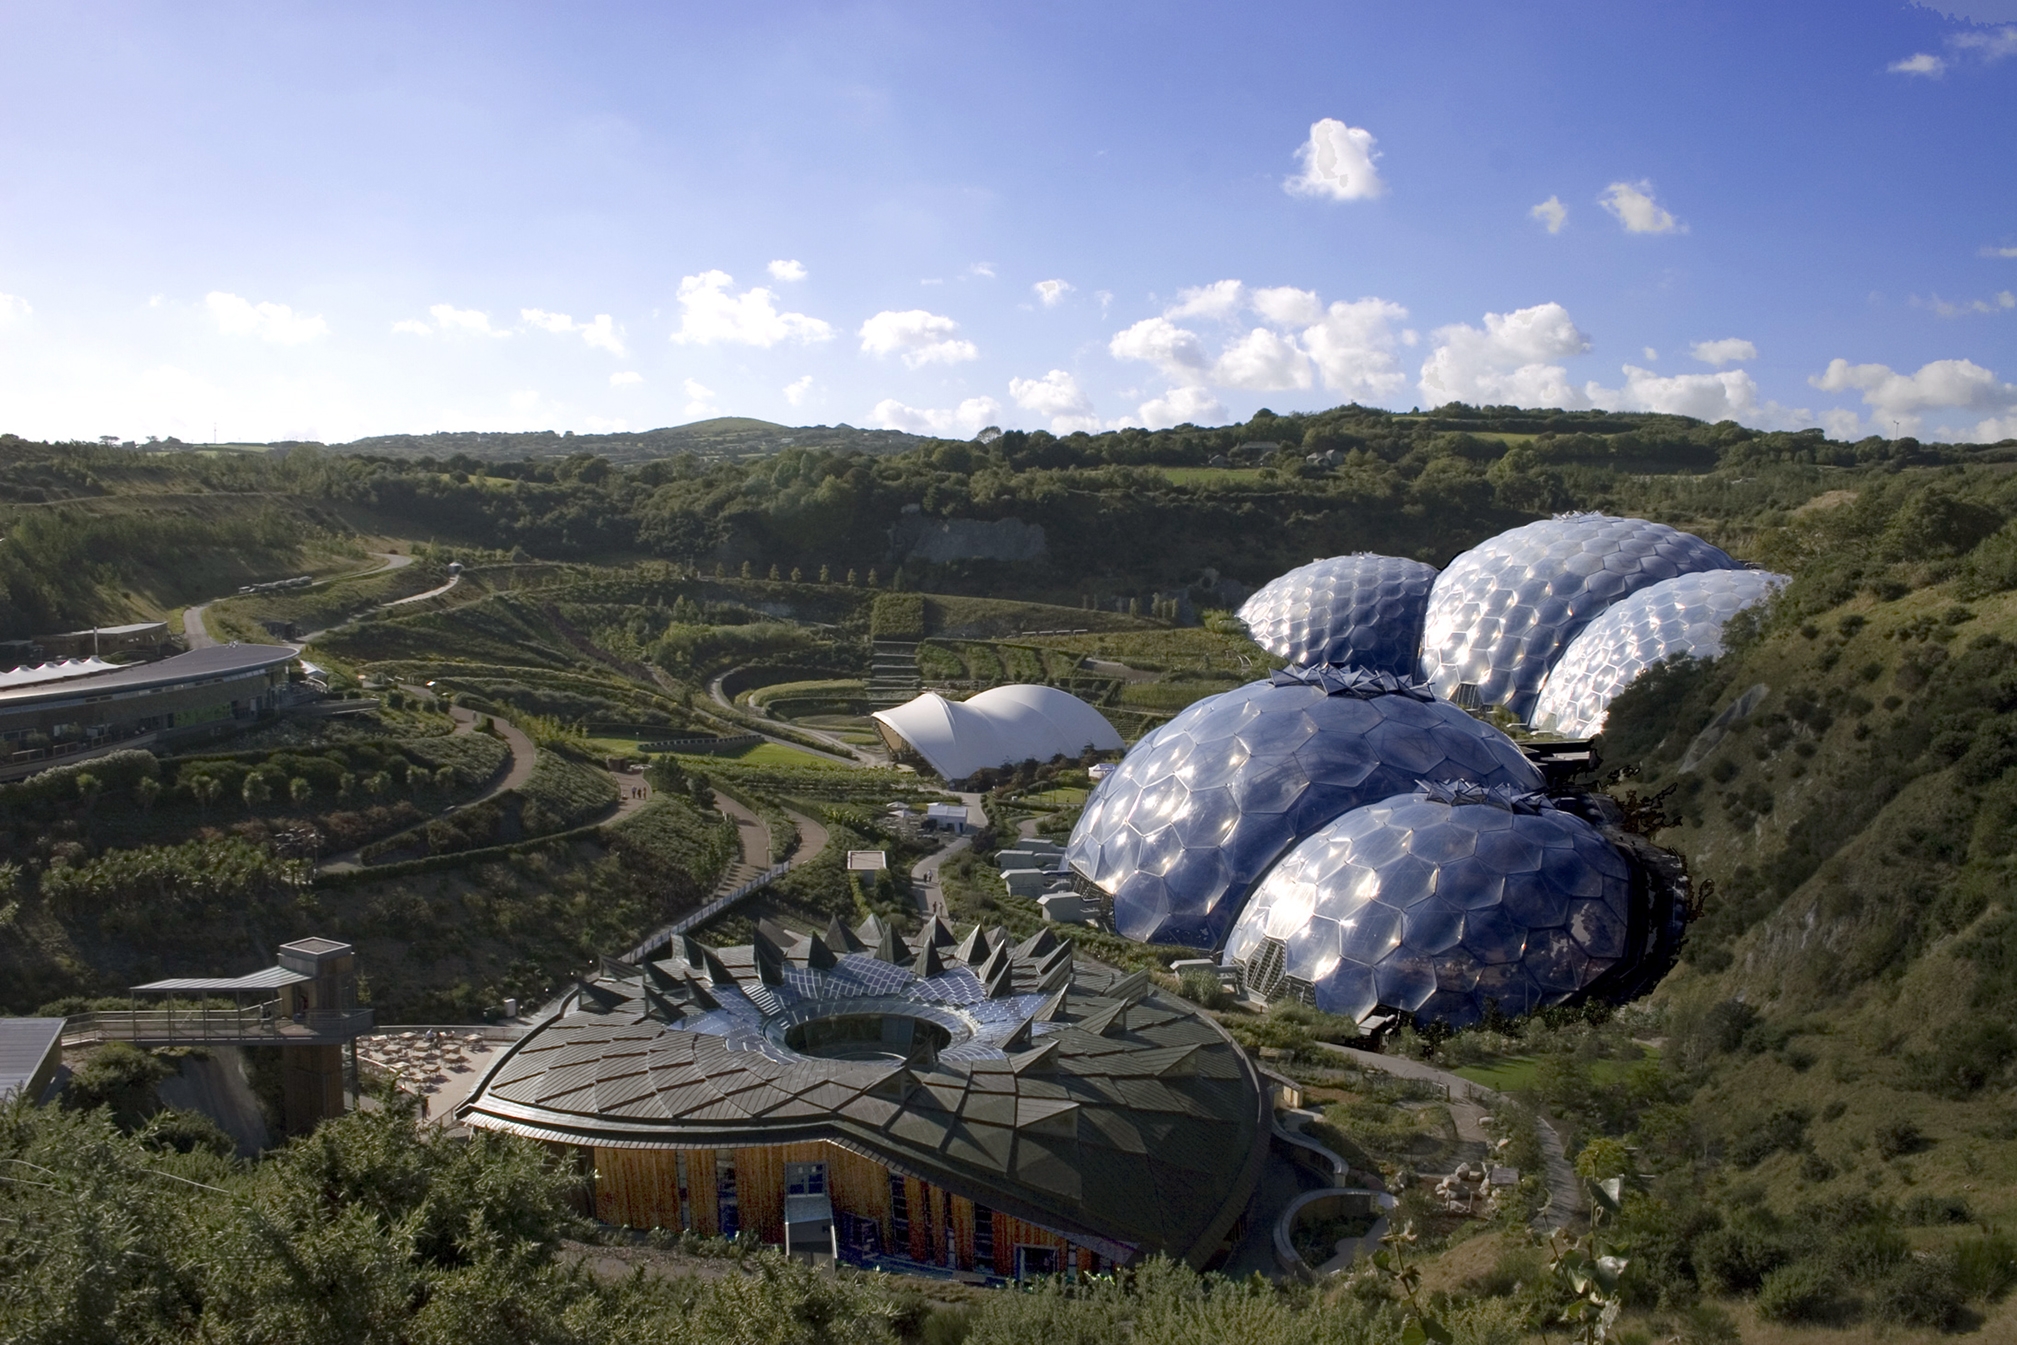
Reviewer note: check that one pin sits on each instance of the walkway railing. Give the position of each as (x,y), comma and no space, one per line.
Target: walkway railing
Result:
(694,919)
(253,1025)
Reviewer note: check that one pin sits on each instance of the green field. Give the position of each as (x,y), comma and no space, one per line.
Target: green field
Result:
(1210,476)
(767,754)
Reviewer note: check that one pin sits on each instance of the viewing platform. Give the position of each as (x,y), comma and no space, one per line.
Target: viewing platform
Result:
(246,1025)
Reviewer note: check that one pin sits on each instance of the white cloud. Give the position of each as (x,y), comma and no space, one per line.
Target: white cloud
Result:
(985,270)
(1842,423)
(1337,163)
(1726,396)
(1994,429)
(1552,213)
(711,315)
(1998,303)
(600,333)
(1180,406)
(1652,355)
(1057,395)
(796,390)
(625,378)
(1507,362)
(449,318)
(967,418)
(1052,292)
(700,399)
(921,338)
(1999,252)
(1106,297)
(1991,46)
(1729,350)
(1287,306)
(787,270)
(412,327)
(1919,63)
(1220,299)
(1174,350)
(1899,399)
(13,309)
(276,323)
(1353,348)
(1262,361)
(1633,204)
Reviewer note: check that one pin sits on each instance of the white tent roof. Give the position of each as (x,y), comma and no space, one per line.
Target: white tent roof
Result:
(1000,727)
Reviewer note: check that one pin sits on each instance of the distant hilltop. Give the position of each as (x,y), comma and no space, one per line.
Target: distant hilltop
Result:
(722,437)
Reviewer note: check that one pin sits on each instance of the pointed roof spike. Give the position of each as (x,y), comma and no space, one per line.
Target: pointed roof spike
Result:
(891,948)
(1182,1066)
(693,950)
(599,997)
(929,963)
(1040,1059)
(817,954)
(770,942)
(659,1007)
(769,960)
(1051,1008)
(1020,1038)
(656,974)
(1132,987)
(894,1086)
(1037,945)
(717,970)
(1102,1022)
(937,933)
(700,996)
(973,949)
(998,937)
(870,930)
(840,938)
(996,960)
(1057,978)
(1002,982)
(616,969)
(775,932)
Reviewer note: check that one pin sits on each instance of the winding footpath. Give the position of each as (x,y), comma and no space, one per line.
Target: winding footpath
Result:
(197,635)
(1565,1192)
(738,714)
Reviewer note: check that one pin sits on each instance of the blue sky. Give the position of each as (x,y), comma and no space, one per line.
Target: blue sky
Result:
(266,221)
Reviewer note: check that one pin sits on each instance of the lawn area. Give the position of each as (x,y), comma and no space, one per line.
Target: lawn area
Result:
(1056,798)
(1513,1073)
(767,754)
(1206,476)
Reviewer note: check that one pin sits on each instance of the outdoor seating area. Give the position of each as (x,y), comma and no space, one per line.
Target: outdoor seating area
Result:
(422,1060)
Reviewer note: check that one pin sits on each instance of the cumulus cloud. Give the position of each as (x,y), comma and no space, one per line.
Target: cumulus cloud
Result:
(1725,396)
(1633,204)
(700,399)
(1990,44)
(13,309)
(1999,252)
(1349,345)
(1729,350)
(711,315)
(796,390)
(1052,292)
(1337,163)
(1182,406)
(1552,213)
(1919,63)
(1898,401)
(1056,395)
(921,338)
(966,418)
(985,270)
(1507,362)
(625,378)
(601,333)
(276,323)
(450,319)
(787,270)
(1997,303)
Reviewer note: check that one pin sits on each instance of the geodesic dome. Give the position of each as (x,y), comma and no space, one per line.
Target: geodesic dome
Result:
(1679,616)
(1198,811)
(1435,902)
(1502,613)
(1364,610)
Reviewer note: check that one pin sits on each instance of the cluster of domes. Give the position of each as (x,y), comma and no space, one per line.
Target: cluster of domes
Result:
(1347,834)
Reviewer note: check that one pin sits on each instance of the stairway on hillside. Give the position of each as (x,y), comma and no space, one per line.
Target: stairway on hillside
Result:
(892,673)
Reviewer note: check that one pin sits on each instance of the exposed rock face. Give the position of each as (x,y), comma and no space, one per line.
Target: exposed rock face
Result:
(938,540)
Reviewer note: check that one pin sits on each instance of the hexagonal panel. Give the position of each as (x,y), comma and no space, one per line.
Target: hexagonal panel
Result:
(1361,609)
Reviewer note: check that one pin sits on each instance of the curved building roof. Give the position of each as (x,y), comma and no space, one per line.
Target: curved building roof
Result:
(1002,726)
(1503,611)
(1201,809)
(1436,902)
(1680,616)
(1057,1091)
(1363,609)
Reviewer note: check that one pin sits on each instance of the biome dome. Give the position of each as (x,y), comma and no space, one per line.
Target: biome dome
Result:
(1363,610)
(1199,810)
(1680,616)
(1435,903)
(1502,612)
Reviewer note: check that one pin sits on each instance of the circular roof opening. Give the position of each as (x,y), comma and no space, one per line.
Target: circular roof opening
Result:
(870,1037)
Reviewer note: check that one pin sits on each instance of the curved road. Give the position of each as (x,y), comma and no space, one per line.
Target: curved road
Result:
(840,746)
(197,635)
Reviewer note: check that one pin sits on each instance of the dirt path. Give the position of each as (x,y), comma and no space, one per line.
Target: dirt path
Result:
(924,882)
(1565,1192)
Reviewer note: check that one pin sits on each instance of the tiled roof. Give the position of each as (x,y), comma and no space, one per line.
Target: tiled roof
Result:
(1073,1095)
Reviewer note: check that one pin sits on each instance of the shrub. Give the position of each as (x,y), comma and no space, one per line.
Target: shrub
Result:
(1985,1267)
(1802,1292)
(1736,1260)
(185,1132)
(1927,1208)
(1917,1291)
(1895,1139)
(1203,988)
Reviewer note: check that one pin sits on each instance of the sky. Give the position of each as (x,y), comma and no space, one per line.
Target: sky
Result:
(257,222)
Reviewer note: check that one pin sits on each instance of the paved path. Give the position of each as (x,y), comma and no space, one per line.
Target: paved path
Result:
(924,883)
(194,632)
(754,837)
(197,635)
(1565,1192)
(812,837)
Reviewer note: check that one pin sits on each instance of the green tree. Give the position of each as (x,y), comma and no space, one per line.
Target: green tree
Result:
(257,792)
(300,791)
(145,791)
